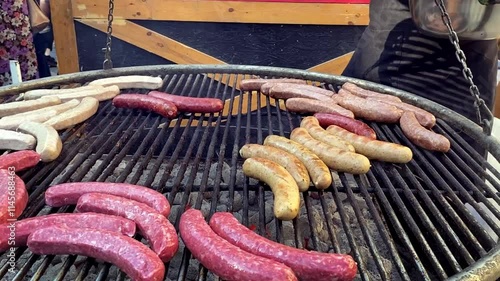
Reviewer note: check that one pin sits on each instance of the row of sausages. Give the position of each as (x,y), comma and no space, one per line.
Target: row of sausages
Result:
(353,101)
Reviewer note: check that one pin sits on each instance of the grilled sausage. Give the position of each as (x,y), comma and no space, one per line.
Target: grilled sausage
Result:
(19,160)
(350,124)
(421,136)
(130,82)
(128,254)
(190,104)
(374,149)
(368,109)
(424,117)
(286,91)
(360,92)
(289,161)
(12,108)
(311,124)
(336,159)
(139,101)
(36,94)
(302,105)
(254,84)
(23,228)
(98,92)
(10,140)
(155,227)
(40,115)
(283,185)
(223,258)
(307,265)
(317,169)
(48,142)
(13,195)
(84,110)
(68,193)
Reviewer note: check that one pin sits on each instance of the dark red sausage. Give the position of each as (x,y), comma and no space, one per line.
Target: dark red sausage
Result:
(68,194)
(422,136)
(145,102)
(350,124)
(128,254)
(156,228)
(224,259)
(20,160)
(13,195)
(23,228)
(190,104)
(308,265)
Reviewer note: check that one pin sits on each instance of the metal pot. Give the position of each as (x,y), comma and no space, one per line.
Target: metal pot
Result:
(470,19)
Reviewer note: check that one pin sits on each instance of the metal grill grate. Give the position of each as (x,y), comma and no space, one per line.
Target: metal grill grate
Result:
(400,222)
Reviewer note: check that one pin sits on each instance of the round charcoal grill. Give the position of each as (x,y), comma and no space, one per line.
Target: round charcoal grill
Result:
(434,218)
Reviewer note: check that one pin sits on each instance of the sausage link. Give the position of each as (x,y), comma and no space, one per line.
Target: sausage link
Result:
(350,124)
(11,187)
(130,82)
(311,124)
(254,84)
(286,91)
(424,117)
(19,160)
(358,91)
(190,104)
(139,101)
(302,105)
(421,136)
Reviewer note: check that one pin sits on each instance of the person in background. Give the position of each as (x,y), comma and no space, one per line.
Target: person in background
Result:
(392,51)
(43,43)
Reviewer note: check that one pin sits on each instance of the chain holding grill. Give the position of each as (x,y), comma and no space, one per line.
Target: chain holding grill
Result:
(474,91)
(108,63)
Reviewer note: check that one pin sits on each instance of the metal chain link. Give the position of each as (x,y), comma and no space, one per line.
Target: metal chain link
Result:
(474,91)
(108,64)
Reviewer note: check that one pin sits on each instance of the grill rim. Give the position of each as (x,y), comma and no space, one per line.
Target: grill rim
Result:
(486,268)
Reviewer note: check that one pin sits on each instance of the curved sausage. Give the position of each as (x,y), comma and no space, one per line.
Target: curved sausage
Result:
(190,104)
(223,258)
(48,142)
(155,227)
(421,136)
(128,254)
(84,110)
(368,109)
(311,124)
(13,195)
(334,158)
(285,190)
(130,82)
(254,84)
(307,265)
(350,124)
(289,161)
(145,102)
(358,91)
(68,193)
(19,160)
(374,149)
(23,228)
(424,117)
(319,172)
(302,105)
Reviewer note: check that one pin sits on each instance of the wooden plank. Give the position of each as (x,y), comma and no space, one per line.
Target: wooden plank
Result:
(227,11)
(63,27)
(334,66)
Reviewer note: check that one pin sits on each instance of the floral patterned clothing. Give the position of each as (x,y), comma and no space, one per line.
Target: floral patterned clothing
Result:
(16,41)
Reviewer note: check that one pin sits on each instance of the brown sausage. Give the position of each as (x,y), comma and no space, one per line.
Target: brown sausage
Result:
(313,106)
(287,90)
(191,104)
(374,149)
(368,109)
(360,92)
(138,101)
(350,124)
(421,136)
(311,124)
(254,84)
(424,117)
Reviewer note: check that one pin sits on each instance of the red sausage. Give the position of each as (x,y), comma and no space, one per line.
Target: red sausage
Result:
(255,83)
(128,254)
(155,227)
(190,104)
(145,102)
(223,258)
(308,265)
(13,195)
(20,160)
(25,227)
(421,136)
(68,194)
(350,124)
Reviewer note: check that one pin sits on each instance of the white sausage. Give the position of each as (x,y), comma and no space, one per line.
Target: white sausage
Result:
(86,109)
(11,140)
(48,142)
(131,82)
